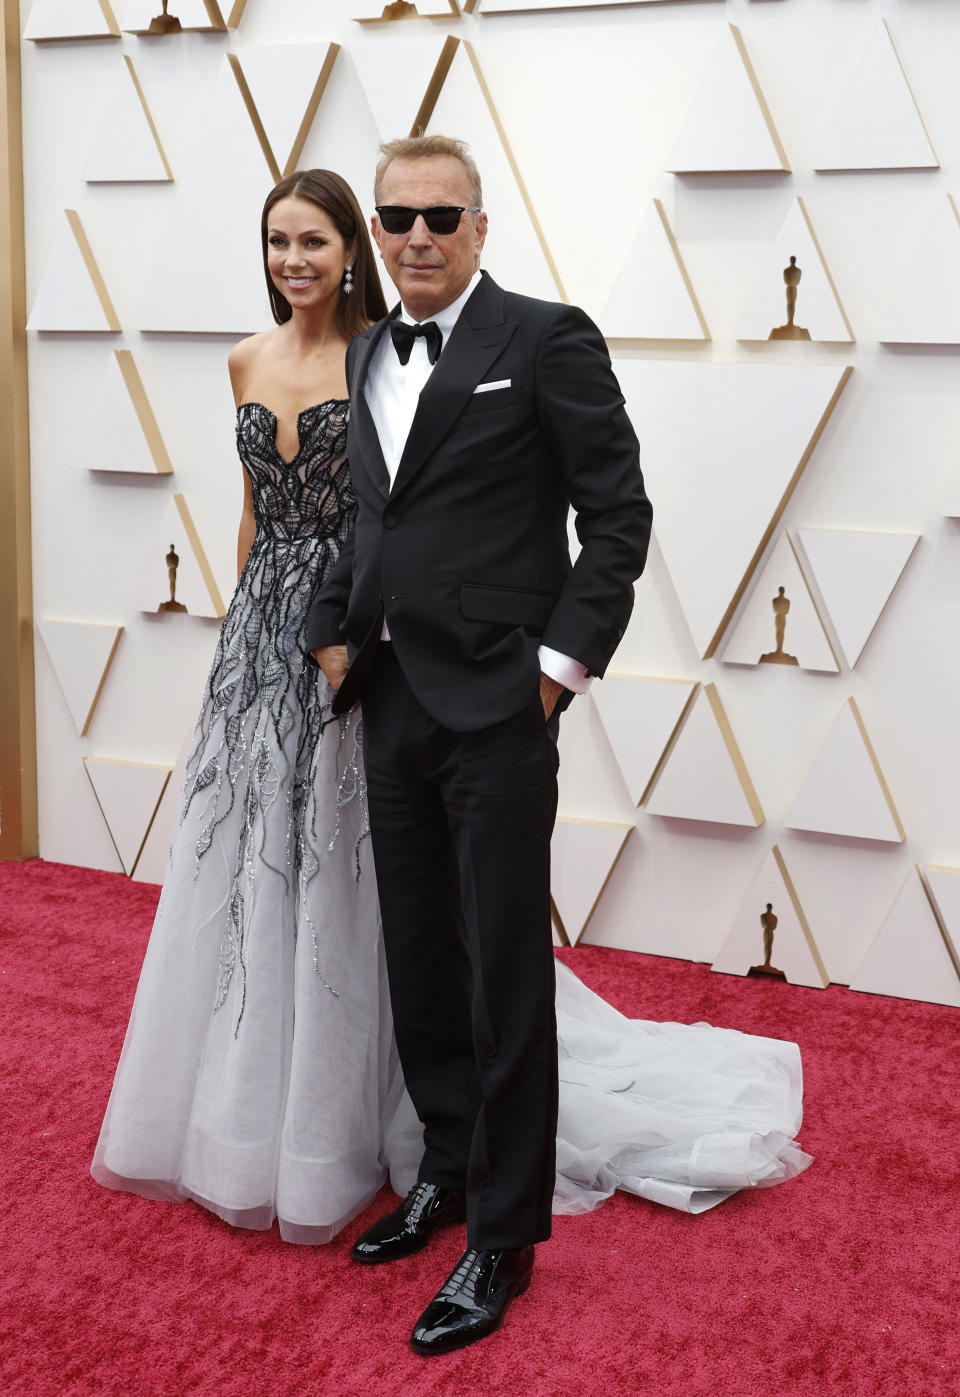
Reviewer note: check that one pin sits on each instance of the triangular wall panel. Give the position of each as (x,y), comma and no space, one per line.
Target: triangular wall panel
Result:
(195,587)
(818,308)
(516,248)
(583,853)
(718,432)
(640,716)
(128,794)
(72,294)
(794,951)
(704,776)
(127,437)
(846,792)
(653,297)
(909,958)
(927,307)
(71,19)
(754,639)
(227,182)
(81,653)
(855,571)
(281,86)
(126,148)
(878,125)
(729,128)
(402,95)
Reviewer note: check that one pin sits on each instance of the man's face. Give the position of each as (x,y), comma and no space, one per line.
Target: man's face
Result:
(429,270)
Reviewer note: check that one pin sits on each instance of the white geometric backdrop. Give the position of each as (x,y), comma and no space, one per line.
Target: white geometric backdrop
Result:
(657,164)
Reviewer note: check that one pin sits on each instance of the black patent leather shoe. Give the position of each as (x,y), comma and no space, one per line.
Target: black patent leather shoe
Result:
(474,1300)
(408,1229)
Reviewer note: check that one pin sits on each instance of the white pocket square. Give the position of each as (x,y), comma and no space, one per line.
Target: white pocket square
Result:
(489,387)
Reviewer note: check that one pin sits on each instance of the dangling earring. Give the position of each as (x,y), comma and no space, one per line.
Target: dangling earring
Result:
(347,280)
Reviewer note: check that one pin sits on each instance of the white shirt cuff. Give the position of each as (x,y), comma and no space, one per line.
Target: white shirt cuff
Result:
(566,671)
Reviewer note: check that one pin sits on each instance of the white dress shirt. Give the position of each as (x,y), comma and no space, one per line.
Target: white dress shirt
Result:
(392,391)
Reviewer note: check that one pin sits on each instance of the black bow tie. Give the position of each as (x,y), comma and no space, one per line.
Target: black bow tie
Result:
(403,336)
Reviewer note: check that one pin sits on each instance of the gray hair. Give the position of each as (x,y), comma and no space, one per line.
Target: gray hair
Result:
(425,148)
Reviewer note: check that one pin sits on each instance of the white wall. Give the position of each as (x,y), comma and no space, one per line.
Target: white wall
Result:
(592,101)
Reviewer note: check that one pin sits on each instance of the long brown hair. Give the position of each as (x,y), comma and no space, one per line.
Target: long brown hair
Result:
(334,196)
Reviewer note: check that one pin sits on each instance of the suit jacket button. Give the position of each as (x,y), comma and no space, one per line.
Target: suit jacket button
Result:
(389,521)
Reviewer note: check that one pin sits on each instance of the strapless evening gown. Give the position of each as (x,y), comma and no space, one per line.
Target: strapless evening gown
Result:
(258,1075)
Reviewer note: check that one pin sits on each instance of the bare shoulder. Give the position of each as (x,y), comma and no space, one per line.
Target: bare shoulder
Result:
(243,358)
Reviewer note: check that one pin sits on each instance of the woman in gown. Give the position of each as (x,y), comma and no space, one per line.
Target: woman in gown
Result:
(258,1075)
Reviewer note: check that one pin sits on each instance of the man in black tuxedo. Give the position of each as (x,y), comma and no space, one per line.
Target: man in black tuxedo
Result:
(478,417)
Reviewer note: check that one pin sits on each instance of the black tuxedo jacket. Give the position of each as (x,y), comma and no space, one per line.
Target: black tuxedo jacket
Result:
(467,556)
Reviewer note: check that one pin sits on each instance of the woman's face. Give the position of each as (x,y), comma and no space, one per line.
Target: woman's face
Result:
(306,255)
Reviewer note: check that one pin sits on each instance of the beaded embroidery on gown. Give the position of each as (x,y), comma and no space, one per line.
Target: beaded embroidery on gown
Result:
(255,1069)
(258,1075)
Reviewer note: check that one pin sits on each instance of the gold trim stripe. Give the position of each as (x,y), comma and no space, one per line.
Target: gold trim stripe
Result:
(736,756)
(813,600)
(681,267)
(214,16)
(515,168)
(823,262)
(110,18)
(146,111)
(193,538)
(309,115)
(800,915)
(913,97)
(670,743)
(103,679)
(93,271)
(141,403)
(558,925)
(761,99)
(254,116)
(558,920)
(935,908)
(865,736)
(18,739)
(422,119)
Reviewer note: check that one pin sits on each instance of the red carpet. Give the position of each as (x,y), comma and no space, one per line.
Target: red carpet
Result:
(843,1281)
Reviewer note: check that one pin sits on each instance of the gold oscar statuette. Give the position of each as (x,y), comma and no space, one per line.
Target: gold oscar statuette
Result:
(781,605)
(790,331)
(172,561)
(165,24)
(768,921)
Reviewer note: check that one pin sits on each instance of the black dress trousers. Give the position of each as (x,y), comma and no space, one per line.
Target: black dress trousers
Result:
(461,826)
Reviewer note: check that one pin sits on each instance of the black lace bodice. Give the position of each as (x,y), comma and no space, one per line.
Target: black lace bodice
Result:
(308,497)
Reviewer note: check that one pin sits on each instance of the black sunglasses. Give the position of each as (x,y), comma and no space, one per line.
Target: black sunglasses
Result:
(440,219)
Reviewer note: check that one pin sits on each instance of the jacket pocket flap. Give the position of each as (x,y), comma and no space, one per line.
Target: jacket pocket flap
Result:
(505,604)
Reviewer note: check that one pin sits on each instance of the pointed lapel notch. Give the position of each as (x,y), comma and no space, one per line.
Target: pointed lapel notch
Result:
(362,418)
(477,340)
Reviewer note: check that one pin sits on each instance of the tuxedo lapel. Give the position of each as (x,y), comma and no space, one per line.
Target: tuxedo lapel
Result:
(477,340)
(362,418)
